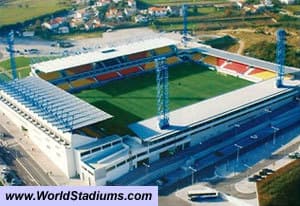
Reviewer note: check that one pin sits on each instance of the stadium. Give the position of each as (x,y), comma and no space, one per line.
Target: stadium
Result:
(95,114)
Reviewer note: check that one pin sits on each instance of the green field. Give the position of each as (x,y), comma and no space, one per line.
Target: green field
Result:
(134,99)
(282,188)
(20,10)
(20,62)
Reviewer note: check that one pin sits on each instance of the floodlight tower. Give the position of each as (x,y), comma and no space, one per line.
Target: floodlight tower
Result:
(280,56)
(162,92)
(10,42)
(185,22)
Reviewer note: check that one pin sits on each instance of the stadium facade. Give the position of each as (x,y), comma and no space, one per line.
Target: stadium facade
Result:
(55,119)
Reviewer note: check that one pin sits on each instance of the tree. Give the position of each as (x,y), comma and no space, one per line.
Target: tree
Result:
(102,11)
(195,9)
(228,12)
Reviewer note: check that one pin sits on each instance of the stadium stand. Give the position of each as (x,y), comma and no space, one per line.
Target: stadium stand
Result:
(129,71)
(237,67)
(110,62)
(90,132)
(173,60)
(107,76)
(256,70)
(265,75)
(148,66)
(64,86)
(163,50)
(140,55)
(210,60)
(49,76)
(220,61)
(79,69)
(196,57)
(82,82)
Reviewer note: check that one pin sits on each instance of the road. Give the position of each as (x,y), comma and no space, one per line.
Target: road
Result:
(28,170)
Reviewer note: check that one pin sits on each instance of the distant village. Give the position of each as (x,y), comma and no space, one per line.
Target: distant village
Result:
(106,14)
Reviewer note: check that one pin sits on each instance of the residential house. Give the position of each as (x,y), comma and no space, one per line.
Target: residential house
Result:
(159,11)
(287,1)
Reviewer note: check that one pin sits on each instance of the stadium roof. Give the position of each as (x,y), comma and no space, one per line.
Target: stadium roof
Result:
(209,109)
(59,108)
(102,54)
(243,59)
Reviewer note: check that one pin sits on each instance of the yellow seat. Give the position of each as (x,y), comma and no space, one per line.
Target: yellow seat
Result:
(150,65)
(163,50)
(64,86)
(49,76)
(196,57)
(210,60)
(265,75)
(90,132)
(172,60)
(82,82)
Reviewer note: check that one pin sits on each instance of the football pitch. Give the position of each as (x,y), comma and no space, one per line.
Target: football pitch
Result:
(134,99)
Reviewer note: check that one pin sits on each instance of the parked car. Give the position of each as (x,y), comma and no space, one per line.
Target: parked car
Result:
(268,171)
(16,182)
(294,155)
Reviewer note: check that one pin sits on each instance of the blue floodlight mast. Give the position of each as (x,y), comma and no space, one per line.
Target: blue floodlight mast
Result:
(10,41)
(280,56)
(185,22)
(162,92)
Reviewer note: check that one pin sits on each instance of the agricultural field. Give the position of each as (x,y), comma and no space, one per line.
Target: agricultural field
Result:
(15,11)
(134,99)
(282,188)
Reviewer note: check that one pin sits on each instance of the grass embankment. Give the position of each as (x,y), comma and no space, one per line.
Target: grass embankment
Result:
(282,188)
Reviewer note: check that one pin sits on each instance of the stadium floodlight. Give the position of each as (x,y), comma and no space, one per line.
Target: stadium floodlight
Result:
(248,168)
(275,129)
(162,80)
(193,171)
(280,56)
(238,147)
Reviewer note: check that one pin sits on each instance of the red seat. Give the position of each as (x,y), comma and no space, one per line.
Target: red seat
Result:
(237,67)
(129,71)
(220,61)
(257,70)
(107,76)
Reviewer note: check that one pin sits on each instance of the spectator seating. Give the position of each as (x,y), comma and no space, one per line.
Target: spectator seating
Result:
(140,55)
(80,69)
(210,60)
(196,57)
(265,75)
(172,60)
(107,76)
(237,67)
(220,61)
(129,71)
(49,76)
(163,50)
(82,82)
(64,86)
(148,66)
(110,62)
(90,132)
(256,70)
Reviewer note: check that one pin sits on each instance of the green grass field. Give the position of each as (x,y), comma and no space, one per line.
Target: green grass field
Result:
(134,99)
(20,62)
(20,10)
(23,68)
(282,188)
